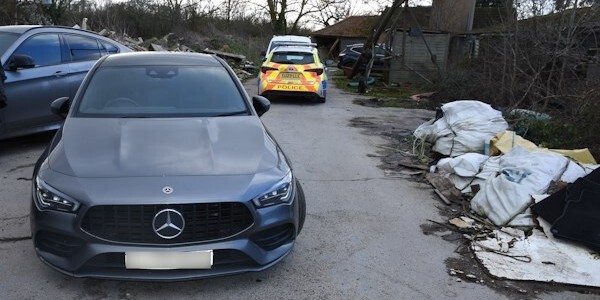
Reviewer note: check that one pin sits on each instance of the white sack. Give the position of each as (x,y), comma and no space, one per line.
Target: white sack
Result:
(575,171)
(469,169)
(464,128)
(521,175)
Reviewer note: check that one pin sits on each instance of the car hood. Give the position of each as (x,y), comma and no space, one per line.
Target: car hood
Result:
(106,147)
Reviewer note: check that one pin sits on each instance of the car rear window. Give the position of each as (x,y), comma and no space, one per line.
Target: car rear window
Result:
(161,91)
(293,58)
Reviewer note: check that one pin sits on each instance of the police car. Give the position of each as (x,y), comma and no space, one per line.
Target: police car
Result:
(293,71)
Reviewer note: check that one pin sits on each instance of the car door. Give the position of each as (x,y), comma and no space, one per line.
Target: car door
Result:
(83,51)
(31,90)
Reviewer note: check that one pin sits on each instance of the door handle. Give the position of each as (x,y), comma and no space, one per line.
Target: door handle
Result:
(59,74)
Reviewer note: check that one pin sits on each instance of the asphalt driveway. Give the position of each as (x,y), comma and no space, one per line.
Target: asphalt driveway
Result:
(362,238)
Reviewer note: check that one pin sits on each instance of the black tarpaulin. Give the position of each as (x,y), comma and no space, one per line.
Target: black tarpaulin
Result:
(574,211)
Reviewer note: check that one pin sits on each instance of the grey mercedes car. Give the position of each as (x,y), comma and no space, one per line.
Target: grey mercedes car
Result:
(41,64)
(163,171)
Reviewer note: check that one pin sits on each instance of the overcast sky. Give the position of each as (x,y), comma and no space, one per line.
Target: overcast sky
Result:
(359,7)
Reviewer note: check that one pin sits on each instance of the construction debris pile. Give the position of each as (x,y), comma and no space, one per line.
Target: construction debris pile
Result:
(243,68)
(530,213)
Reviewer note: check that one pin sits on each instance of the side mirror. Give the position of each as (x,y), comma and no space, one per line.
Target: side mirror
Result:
(60,107)
(263,53)
(20,61)
(261,104)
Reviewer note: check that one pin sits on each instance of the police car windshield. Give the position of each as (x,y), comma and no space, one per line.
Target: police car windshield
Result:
(293,58)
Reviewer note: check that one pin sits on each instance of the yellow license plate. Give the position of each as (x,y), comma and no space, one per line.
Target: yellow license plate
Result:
(291,75)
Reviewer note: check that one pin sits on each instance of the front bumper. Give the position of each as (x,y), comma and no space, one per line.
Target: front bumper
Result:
(61,243)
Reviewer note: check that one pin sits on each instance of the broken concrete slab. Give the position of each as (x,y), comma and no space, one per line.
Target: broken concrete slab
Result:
(236,57)
(155,47)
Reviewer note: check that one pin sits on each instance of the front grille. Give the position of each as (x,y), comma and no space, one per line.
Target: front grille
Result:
(133,223)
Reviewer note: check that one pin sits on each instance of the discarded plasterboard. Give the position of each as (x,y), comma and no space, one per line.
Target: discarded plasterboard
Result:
(507,140)
(552,260)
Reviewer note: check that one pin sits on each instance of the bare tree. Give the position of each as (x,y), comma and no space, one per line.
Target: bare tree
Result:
(280,12)
(58,10)
(232,9)
(332,11)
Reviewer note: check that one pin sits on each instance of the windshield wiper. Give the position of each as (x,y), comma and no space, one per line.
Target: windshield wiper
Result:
(235,113)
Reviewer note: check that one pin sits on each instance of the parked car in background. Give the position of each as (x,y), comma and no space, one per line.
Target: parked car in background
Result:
(287,40)
(43,63)
(350,55)
(181,179)
(293,71)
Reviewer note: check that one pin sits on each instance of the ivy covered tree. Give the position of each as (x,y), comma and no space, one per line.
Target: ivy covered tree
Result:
(564,4)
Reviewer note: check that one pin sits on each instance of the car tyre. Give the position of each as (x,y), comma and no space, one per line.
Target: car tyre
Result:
(301,207)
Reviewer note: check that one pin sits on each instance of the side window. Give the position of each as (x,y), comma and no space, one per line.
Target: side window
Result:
(44,49)
(82,48)
(110,48)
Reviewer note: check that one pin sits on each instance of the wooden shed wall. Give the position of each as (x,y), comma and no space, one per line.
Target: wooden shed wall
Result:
(417,57)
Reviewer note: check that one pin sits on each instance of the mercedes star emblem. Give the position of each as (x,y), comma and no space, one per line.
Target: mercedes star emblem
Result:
(168,224)
(167,190)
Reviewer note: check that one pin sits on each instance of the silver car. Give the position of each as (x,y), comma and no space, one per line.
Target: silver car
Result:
(163,171)
(43,63)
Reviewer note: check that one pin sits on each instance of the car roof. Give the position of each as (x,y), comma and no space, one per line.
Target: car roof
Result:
(160,58)
(362,45)
(18,28)
(305,49)
(290,38)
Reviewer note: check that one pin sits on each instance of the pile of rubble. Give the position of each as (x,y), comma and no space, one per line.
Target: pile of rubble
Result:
(529,213)
(243,68)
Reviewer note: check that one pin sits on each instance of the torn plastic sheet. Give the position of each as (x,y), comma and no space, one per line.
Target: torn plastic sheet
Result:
(538,257)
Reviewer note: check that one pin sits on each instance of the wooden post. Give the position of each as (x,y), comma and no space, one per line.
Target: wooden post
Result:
(372,39)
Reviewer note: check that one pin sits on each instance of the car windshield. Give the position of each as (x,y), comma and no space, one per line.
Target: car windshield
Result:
(7,39)
(161,92)
(293,58)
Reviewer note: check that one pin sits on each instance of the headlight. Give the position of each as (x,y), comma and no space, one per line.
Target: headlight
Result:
(281,192)
(47,197)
